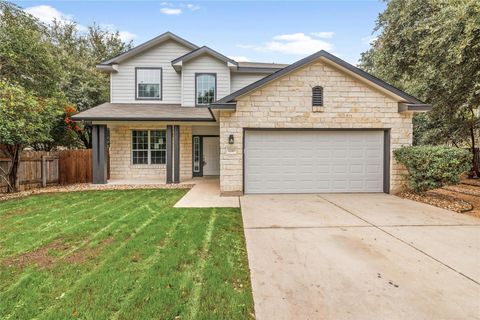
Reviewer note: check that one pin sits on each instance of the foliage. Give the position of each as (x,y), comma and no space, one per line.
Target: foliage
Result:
(431,167)
(64,132)
(78,54)
(26,52)
(24,119)
(431,49)
(57,60)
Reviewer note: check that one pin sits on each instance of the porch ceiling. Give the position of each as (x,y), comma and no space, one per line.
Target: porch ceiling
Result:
(144,112)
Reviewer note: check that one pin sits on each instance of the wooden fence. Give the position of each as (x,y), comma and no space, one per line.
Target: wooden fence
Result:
(75,166)
(41,168)
(37,168)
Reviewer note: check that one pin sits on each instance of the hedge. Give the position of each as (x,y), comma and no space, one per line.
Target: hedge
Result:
(431,167)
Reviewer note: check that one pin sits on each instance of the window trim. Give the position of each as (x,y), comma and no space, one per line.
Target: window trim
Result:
(149,148)
(197,74)
(161,83)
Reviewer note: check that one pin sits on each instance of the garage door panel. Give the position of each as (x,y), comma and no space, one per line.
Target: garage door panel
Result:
(313,161)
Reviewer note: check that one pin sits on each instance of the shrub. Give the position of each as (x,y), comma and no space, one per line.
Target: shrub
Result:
(431,167)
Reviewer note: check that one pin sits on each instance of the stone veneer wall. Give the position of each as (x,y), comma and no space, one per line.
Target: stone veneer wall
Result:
(185,153)
(121,166)
(287,103)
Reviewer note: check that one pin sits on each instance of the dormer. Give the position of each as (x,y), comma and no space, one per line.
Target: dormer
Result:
(205,76)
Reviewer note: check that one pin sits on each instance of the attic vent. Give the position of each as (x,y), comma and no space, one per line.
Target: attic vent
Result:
(317,96)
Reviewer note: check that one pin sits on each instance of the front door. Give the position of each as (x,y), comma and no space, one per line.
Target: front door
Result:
(211,156)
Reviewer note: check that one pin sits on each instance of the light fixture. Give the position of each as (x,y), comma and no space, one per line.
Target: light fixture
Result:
(231,139)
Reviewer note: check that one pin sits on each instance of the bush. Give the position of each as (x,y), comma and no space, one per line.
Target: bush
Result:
(431,167)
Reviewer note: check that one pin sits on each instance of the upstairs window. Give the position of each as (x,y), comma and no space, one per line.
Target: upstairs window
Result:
(149,83)
(205,88)
(317,96)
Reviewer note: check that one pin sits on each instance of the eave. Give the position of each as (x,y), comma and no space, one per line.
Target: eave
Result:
(414,107)
(178,62)
(231,106)
(109,68)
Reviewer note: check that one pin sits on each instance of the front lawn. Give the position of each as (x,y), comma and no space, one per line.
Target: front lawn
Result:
(121,255)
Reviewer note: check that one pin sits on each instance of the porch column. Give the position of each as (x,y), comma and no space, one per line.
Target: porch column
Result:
(173,154)
(99,154)
(176,154)
(169,154)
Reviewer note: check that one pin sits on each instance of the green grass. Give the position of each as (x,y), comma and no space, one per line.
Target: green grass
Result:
(121,255)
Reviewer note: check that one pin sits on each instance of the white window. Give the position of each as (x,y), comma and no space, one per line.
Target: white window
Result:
(149,83)
(205,88)
(149,147)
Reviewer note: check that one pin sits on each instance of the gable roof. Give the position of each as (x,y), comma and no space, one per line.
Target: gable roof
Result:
(147,45)
(204,50)
(228,100)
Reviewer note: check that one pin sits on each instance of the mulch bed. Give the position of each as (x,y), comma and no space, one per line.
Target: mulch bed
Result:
(438,200)
(461,198)
(89,186)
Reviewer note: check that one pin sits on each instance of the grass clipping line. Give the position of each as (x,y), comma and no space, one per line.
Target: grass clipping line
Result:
(198,275)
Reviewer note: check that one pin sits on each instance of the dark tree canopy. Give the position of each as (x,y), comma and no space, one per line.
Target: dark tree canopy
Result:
(431,49)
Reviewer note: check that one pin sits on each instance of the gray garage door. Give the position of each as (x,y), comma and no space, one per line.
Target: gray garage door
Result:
(289,161)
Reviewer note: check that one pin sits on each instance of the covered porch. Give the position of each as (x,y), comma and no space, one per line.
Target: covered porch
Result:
(152,143)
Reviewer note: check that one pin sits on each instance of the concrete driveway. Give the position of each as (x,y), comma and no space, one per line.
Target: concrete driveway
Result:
(360,256)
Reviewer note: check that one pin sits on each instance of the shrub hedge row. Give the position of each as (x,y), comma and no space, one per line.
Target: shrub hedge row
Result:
(431,167)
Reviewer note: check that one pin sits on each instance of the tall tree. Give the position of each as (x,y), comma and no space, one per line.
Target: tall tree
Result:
(24,119)
(431,48)
(78,54)
(26,52)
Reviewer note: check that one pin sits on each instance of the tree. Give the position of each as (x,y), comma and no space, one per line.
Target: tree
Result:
(24,119)
(78,54)
(26,52)
(55,60)
(431,49)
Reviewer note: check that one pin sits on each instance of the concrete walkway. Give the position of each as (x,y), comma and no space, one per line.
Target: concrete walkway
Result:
(206,194)
(360,256)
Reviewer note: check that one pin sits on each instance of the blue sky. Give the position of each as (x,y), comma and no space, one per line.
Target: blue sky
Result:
(269,31)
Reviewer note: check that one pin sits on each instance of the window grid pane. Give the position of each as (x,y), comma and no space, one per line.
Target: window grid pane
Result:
(196,154)
(158,146)
(149,147)
(140,147)
(148,83)
(205,88)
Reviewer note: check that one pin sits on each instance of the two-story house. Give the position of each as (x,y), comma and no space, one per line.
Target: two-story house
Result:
(179,111)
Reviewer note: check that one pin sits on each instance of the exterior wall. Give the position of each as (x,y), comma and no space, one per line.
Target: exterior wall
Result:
(204,64)
(240,80)
(287,103)
(122,83)
(185,153)
(176,87)
(206,130)
(121,166)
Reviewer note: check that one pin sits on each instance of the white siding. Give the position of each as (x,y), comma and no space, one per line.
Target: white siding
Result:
(240,80)
(204,64)
(123,82)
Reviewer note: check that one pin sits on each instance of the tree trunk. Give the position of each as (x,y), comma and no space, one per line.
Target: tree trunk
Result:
(86,136)
(475,168)
(14,153)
